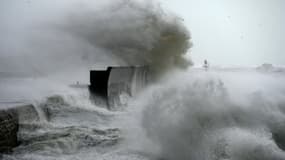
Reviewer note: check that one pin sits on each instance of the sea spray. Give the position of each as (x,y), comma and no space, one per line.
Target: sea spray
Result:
(73,34)
(204,115)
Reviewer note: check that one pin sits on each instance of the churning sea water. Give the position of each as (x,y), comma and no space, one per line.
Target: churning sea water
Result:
(220,114)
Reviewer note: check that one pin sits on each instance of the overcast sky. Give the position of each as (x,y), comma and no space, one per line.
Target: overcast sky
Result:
(234,32)
(226,32)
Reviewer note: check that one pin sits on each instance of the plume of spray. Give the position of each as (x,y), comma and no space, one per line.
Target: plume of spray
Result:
(67,35)
(218,115)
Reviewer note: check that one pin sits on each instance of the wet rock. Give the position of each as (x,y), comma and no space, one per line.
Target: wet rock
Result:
(8,130)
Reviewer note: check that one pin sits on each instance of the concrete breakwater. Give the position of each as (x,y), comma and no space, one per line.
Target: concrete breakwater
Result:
(114,85)
(10,119)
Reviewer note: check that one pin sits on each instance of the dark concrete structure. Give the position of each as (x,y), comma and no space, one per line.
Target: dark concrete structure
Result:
(8,130)
(99,81)
(110,85)
(10,119)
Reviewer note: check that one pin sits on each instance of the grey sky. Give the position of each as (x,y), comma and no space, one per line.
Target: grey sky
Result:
(43,36)
(226,32)
(234,32)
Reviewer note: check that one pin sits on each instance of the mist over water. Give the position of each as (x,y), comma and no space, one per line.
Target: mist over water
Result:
(186,114)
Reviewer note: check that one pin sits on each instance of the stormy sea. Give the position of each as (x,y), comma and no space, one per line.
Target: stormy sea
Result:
(186,112)
(222,113)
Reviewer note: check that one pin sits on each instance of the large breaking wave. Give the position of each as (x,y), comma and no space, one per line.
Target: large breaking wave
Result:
(213,115)
(224,114)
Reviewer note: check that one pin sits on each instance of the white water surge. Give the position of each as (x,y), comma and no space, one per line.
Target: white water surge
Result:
(219,114)
(222,114)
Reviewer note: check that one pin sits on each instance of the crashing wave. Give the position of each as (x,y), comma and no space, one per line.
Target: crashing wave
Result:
(200,116)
